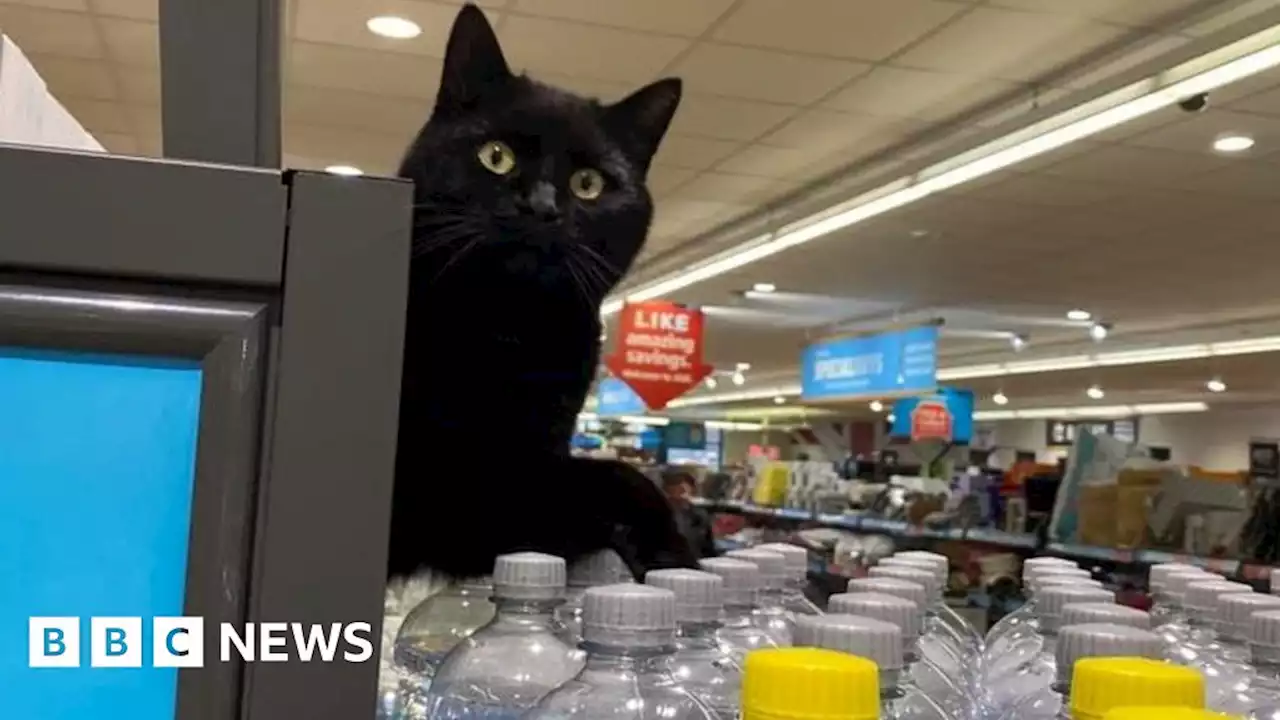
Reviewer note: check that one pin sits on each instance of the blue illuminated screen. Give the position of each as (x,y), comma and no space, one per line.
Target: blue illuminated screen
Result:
(97,466)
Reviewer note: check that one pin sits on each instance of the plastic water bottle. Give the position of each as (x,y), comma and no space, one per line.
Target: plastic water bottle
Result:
(1161,713)
(1234,674)
(1026,613)
(1061,649)
(939,639)
(881,643)
(770,612)
(1256,695)
(809,684)
(433,628)
(598,568)
(941,567)
(952,697)
(1199,647)
(1050,601)
(1174,628)
(1078,644)
(739,630)
(628,633)
(941,664)
(505,667)
(703,664)
(797,564)
(1161,610)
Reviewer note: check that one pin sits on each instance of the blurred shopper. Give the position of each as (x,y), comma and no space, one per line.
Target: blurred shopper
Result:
(693,522)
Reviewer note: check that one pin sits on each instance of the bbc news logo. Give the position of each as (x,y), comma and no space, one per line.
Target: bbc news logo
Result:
(179,642)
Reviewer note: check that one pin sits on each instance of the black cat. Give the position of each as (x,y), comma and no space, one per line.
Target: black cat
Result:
(531,205)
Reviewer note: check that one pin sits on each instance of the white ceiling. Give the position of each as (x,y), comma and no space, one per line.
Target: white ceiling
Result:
(1144,225)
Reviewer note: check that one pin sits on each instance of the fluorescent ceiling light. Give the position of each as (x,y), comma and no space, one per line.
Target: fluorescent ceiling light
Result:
(780,400)
(1216,385)
(764,287)
(1095,392)
(1212,70)
(729,425)
(1000,398)
(654,420)
(1078,315)
(344,170)
(1092,411)
(394,27)
(1233,143)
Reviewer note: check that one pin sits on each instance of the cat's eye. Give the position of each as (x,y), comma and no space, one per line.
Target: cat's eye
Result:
(586,183)
(497,157)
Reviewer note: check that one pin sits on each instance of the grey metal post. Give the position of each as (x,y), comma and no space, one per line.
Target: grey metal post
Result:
(220,80)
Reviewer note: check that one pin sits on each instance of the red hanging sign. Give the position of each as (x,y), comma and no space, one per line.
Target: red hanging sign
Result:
(931,420)
(659,351)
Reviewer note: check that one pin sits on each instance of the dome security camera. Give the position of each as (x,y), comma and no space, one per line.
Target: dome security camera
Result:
(1195,103)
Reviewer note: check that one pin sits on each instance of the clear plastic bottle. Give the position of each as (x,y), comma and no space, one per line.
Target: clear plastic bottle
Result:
(951,696)
(797,564)
(803,683)
(941,567)
(628,633)
(770,614)
(1174,627)
(1200,647)
(1256,694)
(1234,671)
(1072,688)
(703,664)
(505,667)
(1161,610)
(604,567)
(1087,629)
(938,637)
(1163,713)
(739,630)
(1014,621)
(1050,601)
(433,628)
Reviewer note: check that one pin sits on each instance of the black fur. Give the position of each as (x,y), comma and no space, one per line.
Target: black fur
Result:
(503,333)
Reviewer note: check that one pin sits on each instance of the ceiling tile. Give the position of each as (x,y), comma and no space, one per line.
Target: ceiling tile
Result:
(858,29)
(1040,189)
(781,163)
(130,42)
(693,153)
(375,154)
(762,74)
(556,46)
(1031,44)
(676,17)
(67,5)
(148,10)
(382,114)
(67,77)
(99,116)
(925,94)
(49,32)
(1196,133)
(1266,102)
(854,134)
(663,180)
(380,73)
(1137,13)
(342,22)
(118,143)
(607,91)
(140,85)
(739,189)
(727,119)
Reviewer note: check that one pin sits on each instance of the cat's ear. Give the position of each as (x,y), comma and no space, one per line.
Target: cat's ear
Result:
(643,116)
(473,61)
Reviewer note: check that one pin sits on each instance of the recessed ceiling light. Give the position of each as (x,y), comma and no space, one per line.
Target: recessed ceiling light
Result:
(738,378)
(1216,385)
(764,287)
(1233,143)
(394,27)
(1098,331)
(743,367)
(1078,315)
(1095,393)
(876,406)
(1018,342)
(711,383)
(779,400)
(1000,398)
(344,170)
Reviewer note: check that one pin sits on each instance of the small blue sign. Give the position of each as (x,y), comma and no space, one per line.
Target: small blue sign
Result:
(903,361)
(685,436)
(958,405)
(614,397)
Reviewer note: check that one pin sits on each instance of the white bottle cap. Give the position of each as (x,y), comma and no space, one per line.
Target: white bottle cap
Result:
(698,593)
(773,566)
(936,558)
(1275,581)
(1175,583)
(1201,598)
(603,567)
(1082,641)
(877,641)
(1036,564)
(928,566)
(629,615)
(741,579)
(1157,574)
(1032,581)
(528,576)
(1104,613)
(1050,580)
(1236,612)
(905,589)
(1051,600)
(1264,629)
(921,577)
(881,606)
(797,559)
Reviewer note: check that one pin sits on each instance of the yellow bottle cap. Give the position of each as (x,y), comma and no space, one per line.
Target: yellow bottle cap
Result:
(1101,684)
(809,684)
(1164,713)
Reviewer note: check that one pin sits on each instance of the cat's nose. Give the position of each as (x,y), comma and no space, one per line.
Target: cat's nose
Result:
(542,202)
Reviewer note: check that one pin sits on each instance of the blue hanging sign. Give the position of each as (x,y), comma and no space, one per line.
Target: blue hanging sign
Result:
(946,415)
(891,363)
(614,398)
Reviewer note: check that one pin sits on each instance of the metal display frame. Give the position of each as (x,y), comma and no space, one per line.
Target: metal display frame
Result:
(290,289)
